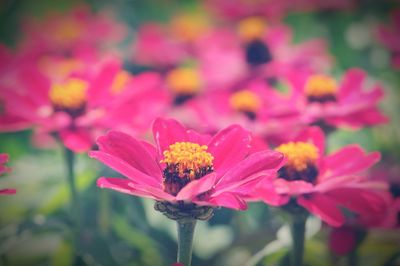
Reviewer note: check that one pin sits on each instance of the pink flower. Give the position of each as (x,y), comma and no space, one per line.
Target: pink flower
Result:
(390,38)
(186,166)
(80,105)
(256,106)
(321,184)
(4,169)
(322,101)
(78,32)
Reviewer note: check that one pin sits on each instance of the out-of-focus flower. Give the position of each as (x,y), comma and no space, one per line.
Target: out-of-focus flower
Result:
(324,102)
(322,184)
(78,32)
(4,169)
(257,107)
(256,49)
(80,105)
(186,167)
(390,37)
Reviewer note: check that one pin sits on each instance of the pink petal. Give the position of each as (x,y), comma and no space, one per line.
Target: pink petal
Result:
(131,151)
(266,191)
(126,169)
(7,191)
(352,82)
(167,132)
(350,160)
(228,200)
(293,188)
(256,162)
(128,187)
(229,147)
(361,201)
(76,140)
(324,207)
(197,187)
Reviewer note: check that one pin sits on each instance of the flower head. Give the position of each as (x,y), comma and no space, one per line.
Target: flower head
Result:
(185,166)
(321,184)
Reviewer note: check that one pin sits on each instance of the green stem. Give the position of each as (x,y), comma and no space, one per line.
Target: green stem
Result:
(75,205)
(352,258)
(298,230)
(185,240)
(104,212)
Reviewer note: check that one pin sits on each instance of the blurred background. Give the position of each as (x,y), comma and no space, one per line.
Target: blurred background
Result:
(123,230)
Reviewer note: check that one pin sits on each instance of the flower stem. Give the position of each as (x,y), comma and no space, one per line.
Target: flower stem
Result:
(352,258)
(185,240)
(75,206)
(298,230)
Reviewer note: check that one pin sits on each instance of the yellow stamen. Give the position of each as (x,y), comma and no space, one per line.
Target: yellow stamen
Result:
(252,28)
(70,94)
(245,101)
(189,27)
(184,81)
(190,159)
(299,154)
(120,81)
(320,86)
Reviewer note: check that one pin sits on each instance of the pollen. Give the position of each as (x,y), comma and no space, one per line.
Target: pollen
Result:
(184,81)
(299,154)
(189,27)
(245,101)
(320,86)
(251,28)
(190,160)
(70,94)
(120,81)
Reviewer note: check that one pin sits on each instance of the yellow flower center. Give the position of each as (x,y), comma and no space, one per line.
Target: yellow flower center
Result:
(252,28)
(120,81)
(186,161)
(299,154)
(245,101)
(189,27)
(184,81)
(70,94)
(321,86)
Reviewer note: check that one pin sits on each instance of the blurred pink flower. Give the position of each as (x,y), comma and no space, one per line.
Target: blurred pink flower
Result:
(321,184)
(4,169)
(324,102)
(154,47)
(389,35)
(78,32)
(186,166)
(79,105)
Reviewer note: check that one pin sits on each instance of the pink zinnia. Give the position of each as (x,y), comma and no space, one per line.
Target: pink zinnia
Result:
(4,169)
(321,184)
(185,166)
(323,101)
(81,105)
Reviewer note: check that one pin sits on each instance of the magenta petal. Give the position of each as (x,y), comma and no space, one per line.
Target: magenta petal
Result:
(128,187)
(362,201)
(7,191)
(167,132)
(229,147)
(323,207)
(266,191)
(131,151)
(228,200)
(76,140)
(352,82)
(126,169)
(350,160)
(256,162)
(197,187)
